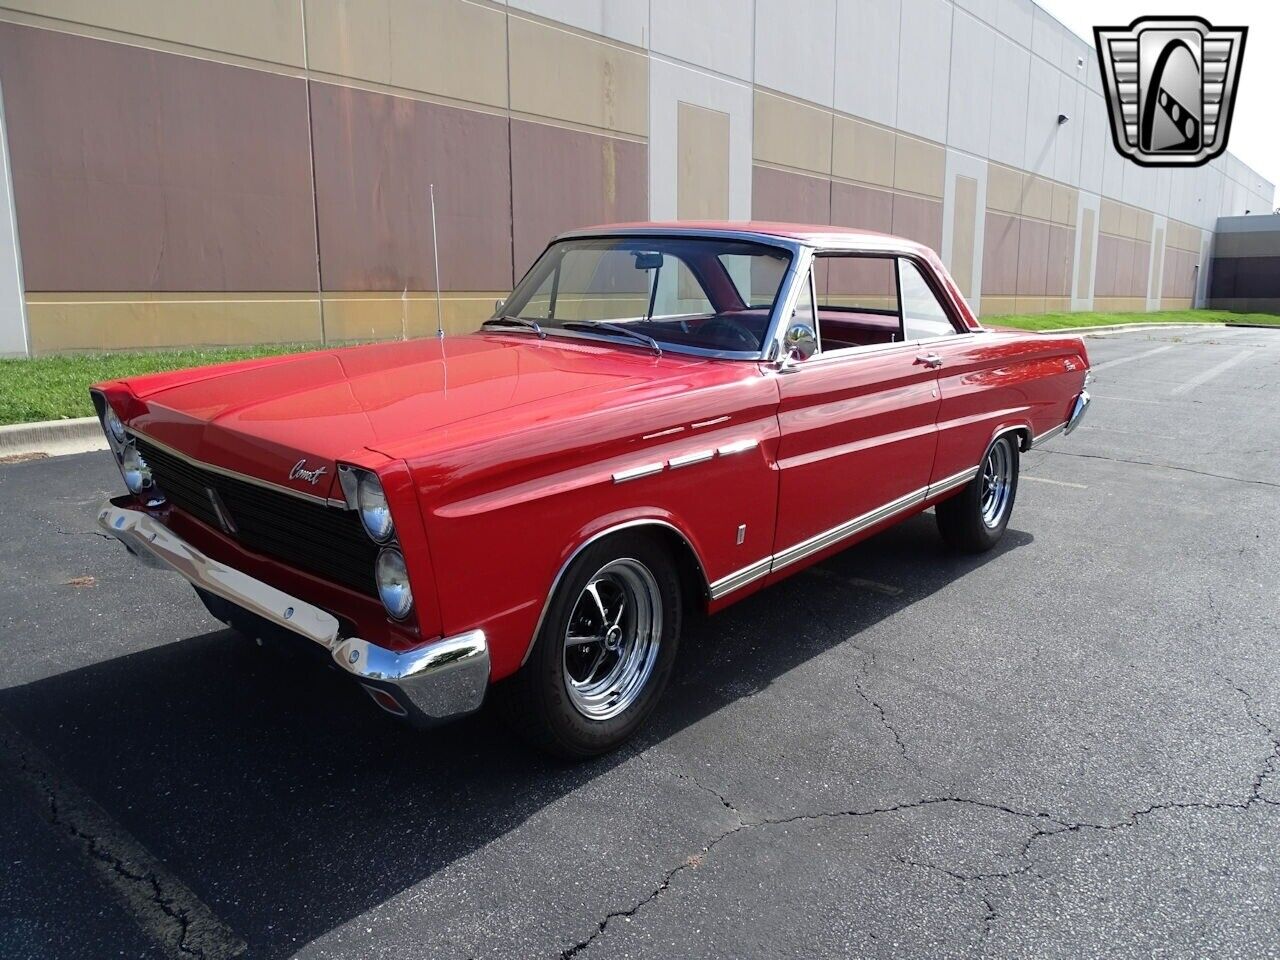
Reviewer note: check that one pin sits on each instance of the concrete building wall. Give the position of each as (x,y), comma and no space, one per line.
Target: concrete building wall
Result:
(1245,271)
(258,170)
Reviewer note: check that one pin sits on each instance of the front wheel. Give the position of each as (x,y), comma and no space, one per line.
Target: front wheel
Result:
(605,650)
(974,520)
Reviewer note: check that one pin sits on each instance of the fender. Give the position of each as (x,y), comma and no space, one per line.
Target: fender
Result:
(606,526)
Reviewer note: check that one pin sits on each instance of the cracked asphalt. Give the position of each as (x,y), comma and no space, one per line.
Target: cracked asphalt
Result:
(1065,748)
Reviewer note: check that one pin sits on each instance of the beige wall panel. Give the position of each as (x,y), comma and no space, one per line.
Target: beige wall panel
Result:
(1109,217)
(1000,255)
(1057,304)
(1143,224)
(1157,265)
(1108,258)
(1004,189)
(863,207)
(263,29)
(997,306)
(791,134)
(1062,243)
(1141,270)
(128,321)
(962,231)
(1029,305)
(1086,254)
(702,163)
(1065,200)
(918,219)
(1037,198)
(566,76)
(1120,304)
(355,315)
(863,152)
(1128,221)
(1033,258)
(919,166)
(1177,303)
(1124,268)
(451,48)
(789,197)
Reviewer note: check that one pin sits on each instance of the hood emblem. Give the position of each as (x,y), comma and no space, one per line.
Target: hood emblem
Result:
(301,472)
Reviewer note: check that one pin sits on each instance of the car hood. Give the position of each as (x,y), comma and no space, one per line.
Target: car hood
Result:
(282,419)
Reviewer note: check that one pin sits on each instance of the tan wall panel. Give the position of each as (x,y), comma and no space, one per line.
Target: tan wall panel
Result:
(451,48)
(1057,304)
(131,321)
(1157,265)
(1033,258)
(1109,217)
(355,315)
(1120,304)
(702,163)
(1064,204)
(268,30)
(1086,254)
(963,223)
(566,76)
(1128,221)
(997,306)
(863,152)
(792,134)
(1029,305)
(1143,224)
(1037,198)
(919,166)
(1107,262)
(1062,242)
(1178,303)
(1004,189)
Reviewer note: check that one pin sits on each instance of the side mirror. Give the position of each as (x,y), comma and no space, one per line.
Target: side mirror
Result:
(497,307)
(800,342)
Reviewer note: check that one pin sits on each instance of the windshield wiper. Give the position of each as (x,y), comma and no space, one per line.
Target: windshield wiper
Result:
(618,328)
(515,322)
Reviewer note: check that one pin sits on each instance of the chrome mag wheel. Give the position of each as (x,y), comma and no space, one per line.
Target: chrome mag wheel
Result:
(611,644)
(997,481)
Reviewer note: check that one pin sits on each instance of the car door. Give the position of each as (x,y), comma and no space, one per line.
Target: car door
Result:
(857,418)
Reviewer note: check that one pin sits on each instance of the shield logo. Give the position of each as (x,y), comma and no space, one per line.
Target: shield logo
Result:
(1170,86)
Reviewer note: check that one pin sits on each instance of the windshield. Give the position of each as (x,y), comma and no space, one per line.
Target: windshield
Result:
(692,292)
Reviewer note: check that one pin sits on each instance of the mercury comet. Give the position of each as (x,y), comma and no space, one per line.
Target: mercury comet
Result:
(660,419)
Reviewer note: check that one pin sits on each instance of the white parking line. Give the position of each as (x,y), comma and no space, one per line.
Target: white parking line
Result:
(166,909)
(1056,483)
(1207,375)
(1137,356)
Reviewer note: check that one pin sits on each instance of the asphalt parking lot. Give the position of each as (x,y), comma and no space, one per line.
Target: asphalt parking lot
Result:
(1066,748)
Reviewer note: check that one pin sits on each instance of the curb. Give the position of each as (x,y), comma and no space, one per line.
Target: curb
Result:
(53,438)
(1254,326)
(1108,329)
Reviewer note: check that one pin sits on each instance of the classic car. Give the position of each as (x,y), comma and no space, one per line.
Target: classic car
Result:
(660,418)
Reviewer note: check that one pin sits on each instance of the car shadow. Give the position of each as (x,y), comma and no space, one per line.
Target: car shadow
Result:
(292,805)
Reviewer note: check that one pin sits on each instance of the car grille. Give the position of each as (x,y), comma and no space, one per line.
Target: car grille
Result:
(325,541)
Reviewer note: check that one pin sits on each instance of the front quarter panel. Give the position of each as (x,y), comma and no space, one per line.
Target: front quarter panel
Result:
(506,511)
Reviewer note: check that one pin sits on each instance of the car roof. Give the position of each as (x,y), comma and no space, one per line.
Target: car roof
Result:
(817,235)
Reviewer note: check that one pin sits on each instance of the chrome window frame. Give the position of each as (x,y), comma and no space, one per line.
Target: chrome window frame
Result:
(960,332)
(793,246)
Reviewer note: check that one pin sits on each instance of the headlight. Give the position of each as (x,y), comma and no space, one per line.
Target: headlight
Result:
(393,583)
(115,429)
(374,512)
(137,475)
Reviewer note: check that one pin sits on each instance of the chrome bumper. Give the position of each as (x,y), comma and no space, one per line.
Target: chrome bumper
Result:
(443,679)
(1077,412)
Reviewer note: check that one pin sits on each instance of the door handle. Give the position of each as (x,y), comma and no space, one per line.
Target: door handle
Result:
(930,360)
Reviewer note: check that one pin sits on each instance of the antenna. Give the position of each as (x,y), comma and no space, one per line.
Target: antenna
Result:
(435,251)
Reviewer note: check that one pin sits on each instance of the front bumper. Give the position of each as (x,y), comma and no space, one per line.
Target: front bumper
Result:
(446,678)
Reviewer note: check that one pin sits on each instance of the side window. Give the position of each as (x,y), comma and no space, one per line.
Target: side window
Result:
(857,301)
(922,314)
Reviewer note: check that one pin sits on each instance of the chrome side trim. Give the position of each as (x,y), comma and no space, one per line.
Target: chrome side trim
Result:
(223,471)
(626,525)
(635,473)
(688,459)
(738,446)
(438,680)
(951,482)
(740,578)
(847,529)
(1048,434)
(1077,411)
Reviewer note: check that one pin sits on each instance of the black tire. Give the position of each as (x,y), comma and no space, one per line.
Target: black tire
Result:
(966,521)
(537,701)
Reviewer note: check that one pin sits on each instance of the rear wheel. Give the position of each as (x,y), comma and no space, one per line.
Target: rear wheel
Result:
(605,650)
(974,520)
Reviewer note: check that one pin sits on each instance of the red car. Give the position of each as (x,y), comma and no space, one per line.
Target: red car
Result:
(660,417)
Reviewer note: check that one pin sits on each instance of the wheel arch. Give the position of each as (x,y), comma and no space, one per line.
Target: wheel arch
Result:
(692,572)
(1022,431)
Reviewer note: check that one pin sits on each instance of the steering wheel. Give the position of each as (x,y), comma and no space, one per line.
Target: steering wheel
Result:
(727,329)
